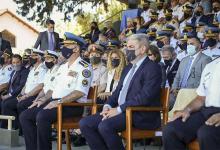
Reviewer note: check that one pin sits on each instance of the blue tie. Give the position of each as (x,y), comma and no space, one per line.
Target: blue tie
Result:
(124,89)
(51,43)
(186,74)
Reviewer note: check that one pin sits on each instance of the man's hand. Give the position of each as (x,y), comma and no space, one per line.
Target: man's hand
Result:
(109,113)
(37,103)
(214,120)
(51,105)
(5,97)
(104,95)
(22,97)
(181,114)
(175,91)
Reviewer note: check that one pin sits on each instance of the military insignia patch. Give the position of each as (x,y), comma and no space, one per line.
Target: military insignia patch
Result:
(72,73)
(86,73)
(52,78)
(36,73)
(85,83)
(10,69)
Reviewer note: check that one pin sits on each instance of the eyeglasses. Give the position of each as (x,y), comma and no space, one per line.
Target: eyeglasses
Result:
(149,54)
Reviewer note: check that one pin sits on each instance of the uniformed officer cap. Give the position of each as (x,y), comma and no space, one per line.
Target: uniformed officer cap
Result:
(151,31)
(211,31)
(183,37)
(8,53)
(70,38)
(159,2)
(169,27)
(162,34)
(50,53)
(37,51)
(96,48)
(153,14)
(112,44)
(187,8)
(189,26)
(168,12)
(27,52)
(201,24)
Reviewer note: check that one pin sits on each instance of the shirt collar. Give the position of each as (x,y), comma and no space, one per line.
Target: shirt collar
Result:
(140,61)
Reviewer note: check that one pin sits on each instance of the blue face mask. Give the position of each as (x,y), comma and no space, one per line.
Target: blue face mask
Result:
(66,52)
(191,49)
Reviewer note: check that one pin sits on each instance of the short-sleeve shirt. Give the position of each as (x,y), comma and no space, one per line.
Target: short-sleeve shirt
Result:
(50,78)
(35,77)
(76,77)
(214,53)
(5,74)
(210,84)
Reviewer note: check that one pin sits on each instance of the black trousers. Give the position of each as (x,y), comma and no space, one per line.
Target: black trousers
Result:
(12,107)
(36,125)
(177,134)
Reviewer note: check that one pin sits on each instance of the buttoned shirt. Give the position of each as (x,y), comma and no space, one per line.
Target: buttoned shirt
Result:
(5,74)
(210,84)
(76,77)
(35,77)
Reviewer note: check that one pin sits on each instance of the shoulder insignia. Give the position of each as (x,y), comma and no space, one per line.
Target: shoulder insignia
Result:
(84,63)
(85,82)
(86,73)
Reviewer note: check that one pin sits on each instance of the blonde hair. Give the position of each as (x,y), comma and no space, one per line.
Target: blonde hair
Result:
(122,64)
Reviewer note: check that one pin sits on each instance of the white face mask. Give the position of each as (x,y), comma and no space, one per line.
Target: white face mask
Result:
(191,49)
(200,35)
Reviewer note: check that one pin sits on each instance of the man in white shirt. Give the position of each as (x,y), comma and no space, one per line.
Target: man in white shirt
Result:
(137,87)
(71,84)
(146,11)
(200,119)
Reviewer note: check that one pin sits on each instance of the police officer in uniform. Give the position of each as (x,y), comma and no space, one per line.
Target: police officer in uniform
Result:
(75,78)
(5,70)
(211,44)
(201,118)
(32,87)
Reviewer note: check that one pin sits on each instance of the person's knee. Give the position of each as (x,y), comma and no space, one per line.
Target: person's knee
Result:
(204,133)
(42,118)
(83,124)
(23,117)
(104,127)
(168,131)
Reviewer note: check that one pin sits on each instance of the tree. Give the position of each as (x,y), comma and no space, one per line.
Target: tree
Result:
(40,10)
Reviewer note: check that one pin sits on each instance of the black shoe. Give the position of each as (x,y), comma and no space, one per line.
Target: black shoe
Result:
(80,141)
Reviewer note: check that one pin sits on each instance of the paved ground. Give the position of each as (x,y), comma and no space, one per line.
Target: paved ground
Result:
(21,147)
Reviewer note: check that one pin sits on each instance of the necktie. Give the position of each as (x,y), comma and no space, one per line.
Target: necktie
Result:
(186,74)
(51,43)
(12,80)
(124,89)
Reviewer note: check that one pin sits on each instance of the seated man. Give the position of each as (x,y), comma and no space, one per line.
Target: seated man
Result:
(29,92)
(190,69)
(201,118)
(72,83)
(139,85)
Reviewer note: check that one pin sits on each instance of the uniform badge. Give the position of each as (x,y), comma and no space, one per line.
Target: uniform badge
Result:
(85,82)
(86,73)
(36,73)
(72,73)
(52,78)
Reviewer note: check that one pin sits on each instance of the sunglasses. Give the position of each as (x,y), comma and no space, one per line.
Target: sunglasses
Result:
(149,54)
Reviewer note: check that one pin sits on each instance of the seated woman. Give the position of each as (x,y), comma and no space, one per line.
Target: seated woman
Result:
(115,64)
(154,55)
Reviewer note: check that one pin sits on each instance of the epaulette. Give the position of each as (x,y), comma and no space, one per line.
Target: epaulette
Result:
(216,58)
(84,63)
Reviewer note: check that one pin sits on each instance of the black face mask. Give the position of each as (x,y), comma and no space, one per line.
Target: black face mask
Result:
(104,61)
(93,27)
(115,62)
(2,60)
(159,7)
(33,61)
(216,9)
(186,16)
(145,8)
(25,62)
(198,13)
(66,52)
(95,60)
(183,46)
(210,43)
(49,65)
(168,62)
(168,18)
(130,55)
(160,44)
